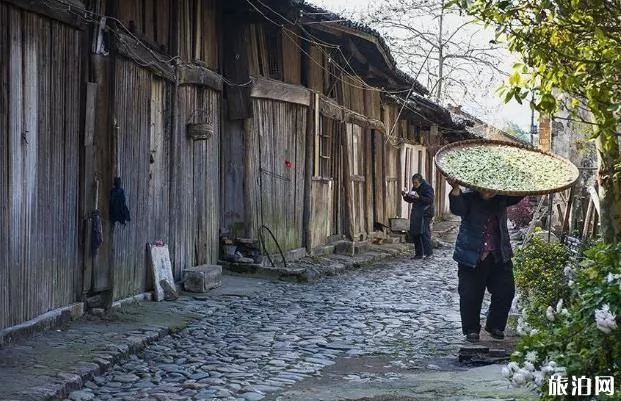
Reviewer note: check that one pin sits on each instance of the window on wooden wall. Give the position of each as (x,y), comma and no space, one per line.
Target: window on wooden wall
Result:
(274,53)
(324,148)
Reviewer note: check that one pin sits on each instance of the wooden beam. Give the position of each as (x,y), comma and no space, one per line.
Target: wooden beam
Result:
(351,46)
(131,49)
(201,76)
(568,205)
(594,198)
(330,108)
(60,12)
(277,90)
(334,29)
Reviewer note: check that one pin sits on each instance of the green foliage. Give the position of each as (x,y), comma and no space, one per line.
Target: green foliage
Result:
(571,47)
(580,337)
(539,276)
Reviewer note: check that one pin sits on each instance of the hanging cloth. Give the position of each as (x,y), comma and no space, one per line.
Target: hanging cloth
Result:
(118,208)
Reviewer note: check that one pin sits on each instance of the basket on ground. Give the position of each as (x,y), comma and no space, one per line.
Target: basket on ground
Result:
(506,168)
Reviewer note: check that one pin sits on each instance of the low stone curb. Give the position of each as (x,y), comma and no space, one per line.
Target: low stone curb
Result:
(103,358)
(312,268)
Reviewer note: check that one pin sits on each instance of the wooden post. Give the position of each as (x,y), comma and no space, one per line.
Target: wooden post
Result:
(349,229)
(587,220)
(249,188)
(308,176)
(569,204)
(550,211)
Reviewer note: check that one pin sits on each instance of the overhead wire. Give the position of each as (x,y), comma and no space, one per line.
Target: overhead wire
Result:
(87,15)
(321,44)
(289,33)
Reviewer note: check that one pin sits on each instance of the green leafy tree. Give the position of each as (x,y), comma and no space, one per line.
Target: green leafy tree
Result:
(573,47)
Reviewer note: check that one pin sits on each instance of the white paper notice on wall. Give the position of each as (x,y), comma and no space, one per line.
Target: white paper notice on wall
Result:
(162,269)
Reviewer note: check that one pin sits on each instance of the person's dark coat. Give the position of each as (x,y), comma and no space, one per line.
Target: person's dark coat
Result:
(422,207)
(474,212)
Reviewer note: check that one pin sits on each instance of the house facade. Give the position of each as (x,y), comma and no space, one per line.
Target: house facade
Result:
(217,116)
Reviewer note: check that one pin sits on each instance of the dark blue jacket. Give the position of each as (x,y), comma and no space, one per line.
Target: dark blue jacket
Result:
(474,212)
(422,207)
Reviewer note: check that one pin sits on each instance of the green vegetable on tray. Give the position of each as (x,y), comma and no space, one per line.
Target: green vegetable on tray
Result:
(506,168)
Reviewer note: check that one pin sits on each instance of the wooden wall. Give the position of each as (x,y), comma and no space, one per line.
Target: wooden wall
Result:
(39,164)
(192,24)
(195,182)
(355,181)
(277,138)
(393,183)
(322,210)
(171,181)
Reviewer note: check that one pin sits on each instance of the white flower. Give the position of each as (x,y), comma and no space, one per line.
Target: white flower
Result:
(570,283)
(605,320)
(533,332)
(564,312)
(559,305)
(610,278)
(506,372)
(547,369)
(525,373)
(567,271)
(531,356)
(550,313)
(518,379)
(513,366)
(529,366)
(538,377)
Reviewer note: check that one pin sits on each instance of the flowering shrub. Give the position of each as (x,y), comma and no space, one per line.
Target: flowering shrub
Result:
(520,214)
(539,274)
(578,336)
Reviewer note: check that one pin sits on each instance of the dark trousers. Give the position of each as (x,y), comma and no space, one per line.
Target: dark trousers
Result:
(422,242)
(497,277)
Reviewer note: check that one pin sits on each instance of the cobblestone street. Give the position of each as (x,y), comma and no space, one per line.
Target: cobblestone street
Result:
(252,339)
(249,346)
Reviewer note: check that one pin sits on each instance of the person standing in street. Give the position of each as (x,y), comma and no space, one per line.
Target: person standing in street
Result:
(421,197)
(483,254)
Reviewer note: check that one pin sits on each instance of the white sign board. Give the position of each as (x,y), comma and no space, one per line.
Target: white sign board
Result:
(162,269)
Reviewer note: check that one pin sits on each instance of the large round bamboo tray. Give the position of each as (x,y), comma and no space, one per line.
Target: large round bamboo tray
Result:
(570,170)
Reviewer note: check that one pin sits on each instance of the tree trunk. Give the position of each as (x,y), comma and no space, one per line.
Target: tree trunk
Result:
(440,55)
(609,188)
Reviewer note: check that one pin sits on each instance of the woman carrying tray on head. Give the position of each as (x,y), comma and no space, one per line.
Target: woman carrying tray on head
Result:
(483,253)
(421,197)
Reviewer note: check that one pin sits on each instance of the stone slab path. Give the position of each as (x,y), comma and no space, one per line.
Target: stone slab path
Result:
(363,333)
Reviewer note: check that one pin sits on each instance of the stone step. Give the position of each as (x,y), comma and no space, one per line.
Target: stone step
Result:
(351,248)
(202,278)
(323,250)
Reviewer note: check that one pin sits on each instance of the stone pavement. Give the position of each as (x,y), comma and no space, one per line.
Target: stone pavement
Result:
(365,332)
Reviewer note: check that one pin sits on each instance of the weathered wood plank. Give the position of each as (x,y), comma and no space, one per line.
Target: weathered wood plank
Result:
(16,172)
(30,137)
(131,49)
(5,310)
(197,75)
(236,66)
(314,63)
(276,90)
(329,108)
(50,11)
(292,58)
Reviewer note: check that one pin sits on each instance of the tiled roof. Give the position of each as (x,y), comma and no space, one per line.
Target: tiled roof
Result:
(318,14)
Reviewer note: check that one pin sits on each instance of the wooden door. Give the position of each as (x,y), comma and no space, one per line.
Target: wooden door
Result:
(355,183)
